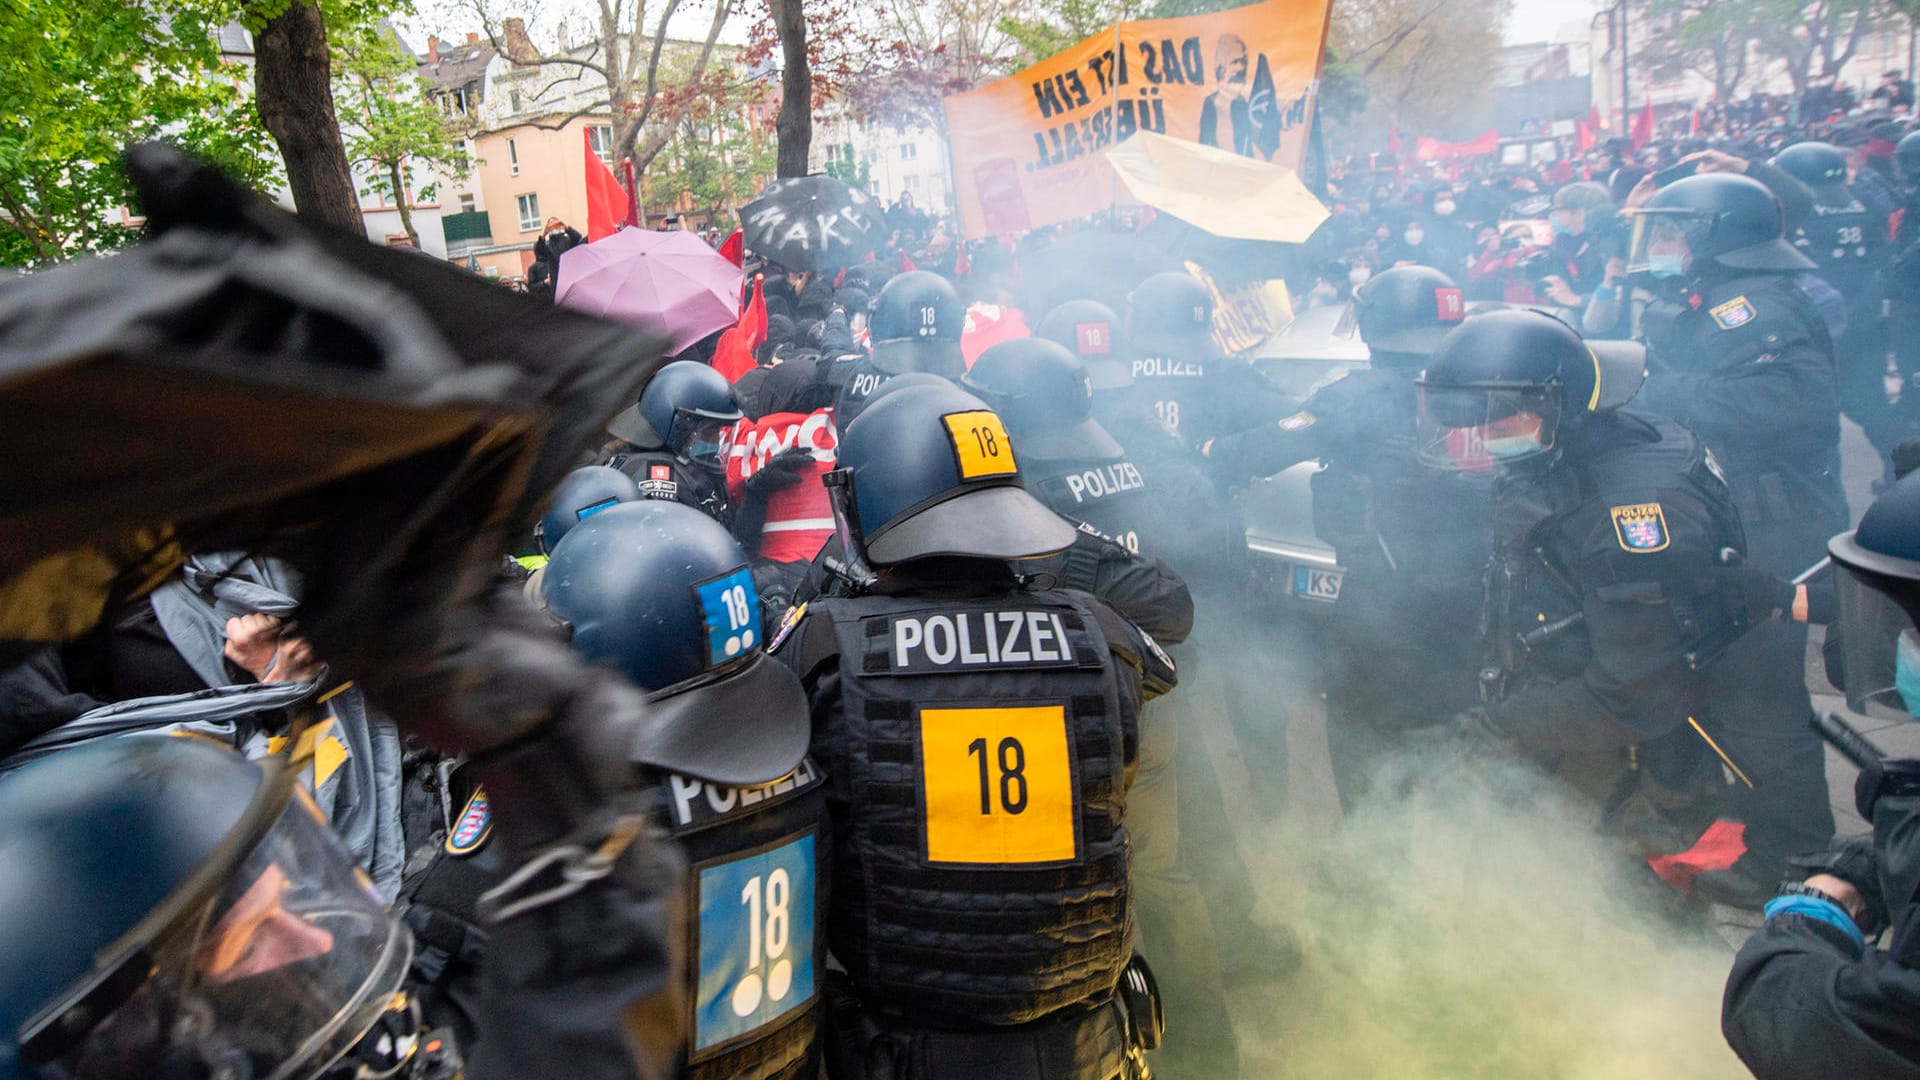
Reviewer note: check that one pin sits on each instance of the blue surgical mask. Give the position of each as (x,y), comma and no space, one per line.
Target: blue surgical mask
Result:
(1906,671)
(1503,447)
(1666,265)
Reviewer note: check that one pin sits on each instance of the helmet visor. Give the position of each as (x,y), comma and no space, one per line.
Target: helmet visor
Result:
(1473,429)
(703,438)
(1666,239)
(1873,632)
(278,974)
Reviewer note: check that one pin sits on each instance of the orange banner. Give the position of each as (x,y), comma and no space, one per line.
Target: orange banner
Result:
(1030,149)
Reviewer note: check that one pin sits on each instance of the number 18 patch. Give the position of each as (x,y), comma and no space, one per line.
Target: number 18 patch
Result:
(1641,528)
(755,941)
(731,607)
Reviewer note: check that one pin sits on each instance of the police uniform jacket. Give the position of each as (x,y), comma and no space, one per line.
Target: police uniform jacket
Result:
(1745,363)
(1806,998)
(1604,576)
(977,741)
(662,474)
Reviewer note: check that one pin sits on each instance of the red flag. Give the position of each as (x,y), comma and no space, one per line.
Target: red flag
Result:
(1426,149)
(607,201)
(906,264)
(1582,136)
(735,249)
(1693,125)
(1595,121)
(1718,848)
(988,325)
(733,353)
(1641,129)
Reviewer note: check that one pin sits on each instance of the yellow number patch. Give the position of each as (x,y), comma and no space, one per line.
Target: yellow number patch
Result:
(998,785)
(980,442)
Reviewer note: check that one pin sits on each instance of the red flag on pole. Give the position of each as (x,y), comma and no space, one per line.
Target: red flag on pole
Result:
(733,353)
(1582,136)
(735,249)
(1595,121)
(1641,129)
(607,202)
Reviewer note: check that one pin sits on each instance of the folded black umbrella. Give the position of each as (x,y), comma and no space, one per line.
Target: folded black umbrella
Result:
(813,223)
(244,380)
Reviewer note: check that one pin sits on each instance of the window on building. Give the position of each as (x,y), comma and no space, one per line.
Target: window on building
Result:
(913,182)
(513,158)
(513,100)
(466,204)
(529,211)
(909,151)
(600,138)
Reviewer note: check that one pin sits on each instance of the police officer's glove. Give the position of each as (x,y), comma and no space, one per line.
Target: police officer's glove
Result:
(783,470)
(1852,861)
(1757,595)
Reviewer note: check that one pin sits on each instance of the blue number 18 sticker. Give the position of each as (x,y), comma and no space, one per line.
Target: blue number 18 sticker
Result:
(732,610)
(755,941)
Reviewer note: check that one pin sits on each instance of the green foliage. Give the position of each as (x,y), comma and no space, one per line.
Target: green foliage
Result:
(84,79)
(841,164)
(715,160)
(386,120)
(1064,23)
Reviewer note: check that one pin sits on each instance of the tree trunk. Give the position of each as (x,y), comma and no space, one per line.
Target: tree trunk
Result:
(400,200)
(794,128)
(292,89)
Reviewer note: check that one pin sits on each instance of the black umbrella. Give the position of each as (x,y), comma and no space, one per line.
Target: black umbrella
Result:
(813,223)
(246,380)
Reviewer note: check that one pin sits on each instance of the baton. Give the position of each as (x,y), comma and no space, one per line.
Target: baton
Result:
(1847,739)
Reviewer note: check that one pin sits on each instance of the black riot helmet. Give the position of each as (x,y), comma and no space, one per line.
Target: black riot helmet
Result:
(172,910)
(1711,219)
(1906,154)
(1092,332)
(916,325)
(1045,395)
(1504,385)
(930,472)
(1171,314)
(1403,313)
(661,593)
(1815,164)
(688,409)
(583,493)
(1877,574)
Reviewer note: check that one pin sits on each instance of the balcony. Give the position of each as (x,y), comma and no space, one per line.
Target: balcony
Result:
(466,233)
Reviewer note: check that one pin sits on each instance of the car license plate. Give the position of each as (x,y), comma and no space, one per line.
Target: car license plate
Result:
(1313,583)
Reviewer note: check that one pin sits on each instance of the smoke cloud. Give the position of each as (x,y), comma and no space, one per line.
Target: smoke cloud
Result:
(1478,927)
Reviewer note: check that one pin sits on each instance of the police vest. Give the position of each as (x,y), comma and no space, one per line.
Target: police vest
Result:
(662,475)
(1110,495)
(855,381)
(1173,389)
(1846,241)
(759,860)
(978,776)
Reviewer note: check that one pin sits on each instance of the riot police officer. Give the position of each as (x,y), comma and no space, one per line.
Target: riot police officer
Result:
(1179,378)
(1412,544)
(674,441)
(1737,355)
(1613,609)
(1091,331)
(1808,993)
(916,324)
(1848,243)
(977,732)
(583,493)
(664,595)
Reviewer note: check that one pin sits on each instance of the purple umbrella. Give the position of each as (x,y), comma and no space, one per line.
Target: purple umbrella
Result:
(670,283)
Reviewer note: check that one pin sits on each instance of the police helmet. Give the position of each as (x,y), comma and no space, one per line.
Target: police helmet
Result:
(1093,332)
(1502,386)
(916,325)
(582,493)
(1405,311)
(1171,313)
(1906,154)
(932,472)
(1877,574)
(661,593)
(907,382)
(170,908)
(1815,164)
(1721,218)
(687,408)
(1045,395)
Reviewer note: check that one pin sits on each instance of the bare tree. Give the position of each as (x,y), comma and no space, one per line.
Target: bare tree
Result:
(1710,38)
(1423,61)
(623,67)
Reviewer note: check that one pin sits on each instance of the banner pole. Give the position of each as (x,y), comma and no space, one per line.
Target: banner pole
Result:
(1113,86)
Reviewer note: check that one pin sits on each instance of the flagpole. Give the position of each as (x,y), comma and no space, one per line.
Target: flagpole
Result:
(1626,99)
